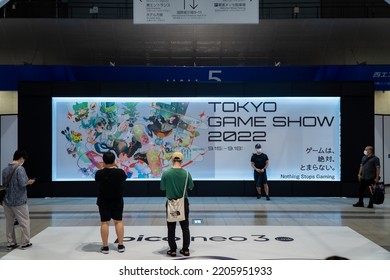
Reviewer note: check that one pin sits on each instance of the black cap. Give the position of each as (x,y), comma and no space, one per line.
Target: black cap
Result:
(258,146)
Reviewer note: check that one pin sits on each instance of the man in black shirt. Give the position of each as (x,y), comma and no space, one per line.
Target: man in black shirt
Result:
(259,163)
(368,175)
(110,200)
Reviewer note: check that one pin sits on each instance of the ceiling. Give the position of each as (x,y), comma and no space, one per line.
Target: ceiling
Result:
(284,42)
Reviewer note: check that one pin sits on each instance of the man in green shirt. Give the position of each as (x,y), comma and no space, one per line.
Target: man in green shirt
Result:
(173,182)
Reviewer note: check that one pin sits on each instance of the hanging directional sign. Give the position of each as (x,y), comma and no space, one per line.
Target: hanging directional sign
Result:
(196,11)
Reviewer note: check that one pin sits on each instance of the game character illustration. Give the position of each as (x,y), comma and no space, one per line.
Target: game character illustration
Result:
(143,136)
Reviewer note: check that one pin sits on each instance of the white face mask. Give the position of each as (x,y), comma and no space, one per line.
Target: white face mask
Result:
(365,152)
(258,150)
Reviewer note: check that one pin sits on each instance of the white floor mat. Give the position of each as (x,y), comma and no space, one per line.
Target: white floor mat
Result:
(209,242)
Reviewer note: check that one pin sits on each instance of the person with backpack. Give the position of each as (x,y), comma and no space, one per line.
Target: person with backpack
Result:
(368,175)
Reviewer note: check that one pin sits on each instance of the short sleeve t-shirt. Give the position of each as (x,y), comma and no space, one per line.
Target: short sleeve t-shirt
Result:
(110,185)
(259,160)
(369,165)
(173,182)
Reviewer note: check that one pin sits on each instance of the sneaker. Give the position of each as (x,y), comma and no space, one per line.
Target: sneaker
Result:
(358,204)
(171,253)
(258,196)
(121,248)
(185,252)
(11,247)
(104,249)
(26,246)
(268,198)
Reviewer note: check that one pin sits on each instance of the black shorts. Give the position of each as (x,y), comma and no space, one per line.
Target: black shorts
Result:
(110,211)
(260,178)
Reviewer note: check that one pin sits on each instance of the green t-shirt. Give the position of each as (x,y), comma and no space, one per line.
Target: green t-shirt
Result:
(173,182)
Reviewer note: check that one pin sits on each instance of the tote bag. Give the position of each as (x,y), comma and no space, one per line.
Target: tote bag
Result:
(175,207)
(378,193)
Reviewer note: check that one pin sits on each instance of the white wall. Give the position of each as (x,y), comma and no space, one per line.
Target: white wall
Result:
(8,102)
(378,145)
(8,138)
(382,145)
(386,150)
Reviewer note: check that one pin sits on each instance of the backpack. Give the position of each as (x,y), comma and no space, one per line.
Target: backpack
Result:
(378,193)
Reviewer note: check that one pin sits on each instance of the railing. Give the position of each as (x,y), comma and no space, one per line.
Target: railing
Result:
(124,9)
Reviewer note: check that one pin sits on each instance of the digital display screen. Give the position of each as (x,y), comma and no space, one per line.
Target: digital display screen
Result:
(217,136)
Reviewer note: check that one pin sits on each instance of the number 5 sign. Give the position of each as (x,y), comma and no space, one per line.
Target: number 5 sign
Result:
(213,75)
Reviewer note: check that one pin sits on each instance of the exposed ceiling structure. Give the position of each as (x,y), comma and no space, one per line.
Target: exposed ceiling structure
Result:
(120,42)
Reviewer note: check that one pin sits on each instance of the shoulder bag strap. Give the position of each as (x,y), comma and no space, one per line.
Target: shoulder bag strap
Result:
(10,176)
(367,159)
(185,186)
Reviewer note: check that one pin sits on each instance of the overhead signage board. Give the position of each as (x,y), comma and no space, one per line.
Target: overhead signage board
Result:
(196,11)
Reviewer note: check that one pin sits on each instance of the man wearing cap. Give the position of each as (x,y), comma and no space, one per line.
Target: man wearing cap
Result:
(173,182)
(259,163)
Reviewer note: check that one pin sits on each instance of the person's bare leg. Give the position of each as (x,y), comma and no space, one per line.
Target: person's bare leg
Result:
(120,231)
(104,230)
(266,190)
(258,192)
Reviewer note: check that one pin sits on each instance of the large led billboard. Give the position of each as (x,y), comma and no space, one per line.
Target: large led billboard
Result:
(217,135)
